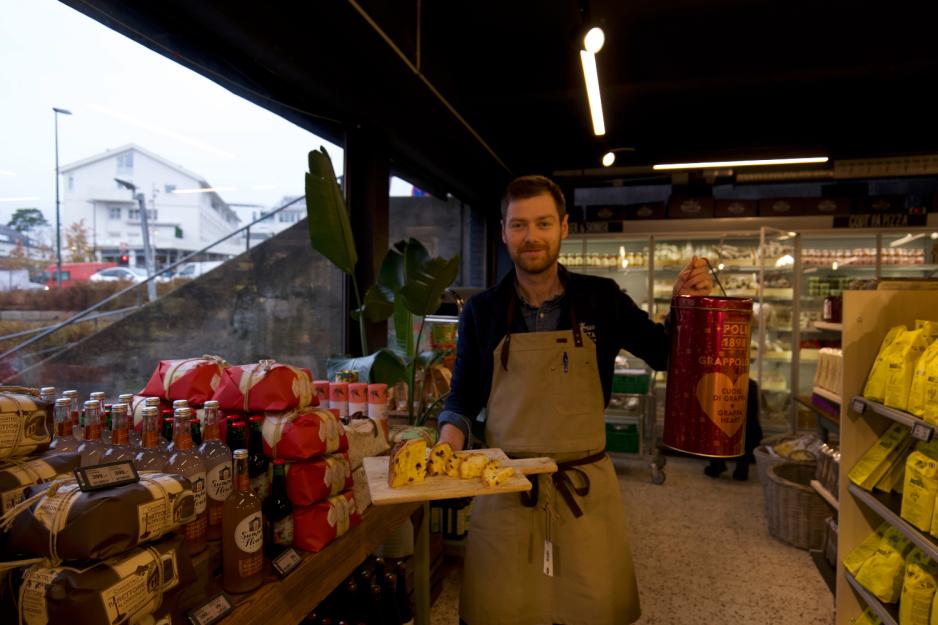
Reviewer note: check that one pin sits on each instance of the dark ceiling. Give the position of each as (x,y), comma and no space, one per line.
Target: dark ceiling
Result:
(492,89)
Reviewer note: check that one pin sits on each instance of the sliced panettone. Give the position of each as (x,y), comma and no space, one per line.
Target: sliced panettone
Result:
(408,464)
(439,459)
(472,465)
(493,474)
(452,466)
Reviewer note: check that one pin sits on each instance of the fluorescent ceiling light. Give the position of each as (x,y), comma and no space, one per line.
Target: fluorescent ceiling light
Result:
(906,239)
(4,172)
(608,159)
(30,198)
(205,190)
(594,40)
(752,163)
(592,91)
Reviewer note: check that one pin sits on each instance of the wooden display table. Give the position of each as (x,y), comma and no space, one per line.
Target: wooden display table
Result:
(290,600)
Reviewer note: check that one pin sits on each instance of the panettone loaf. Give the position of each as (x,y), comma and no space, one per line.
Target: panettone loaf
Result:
(493,474)
(408,464)
(472,465)
(439,459)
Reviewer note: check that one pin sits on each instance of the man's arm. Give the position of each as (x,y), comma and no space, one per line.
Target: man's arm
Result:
(464,401)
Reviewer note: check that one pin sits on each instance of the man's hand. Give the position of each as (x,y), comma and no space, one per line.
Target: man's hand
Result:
(451,434)
(694,279)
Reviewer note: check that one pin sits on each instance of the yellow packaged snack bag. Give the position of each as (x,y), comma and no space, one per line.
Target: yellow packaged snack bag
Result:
(868,617)
(882,574)
(862,552)
(918,492)
(918,589)
(931,328)
(931,392)
(875,387)
(879,458)
(894,479)
(917,391)
(900,364)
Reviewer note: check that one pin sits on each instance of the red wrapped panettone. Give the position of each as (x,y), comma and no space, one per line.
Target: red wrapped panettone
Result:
(317,525)
(192,379)
(265,386)
(303,433)
(312,481)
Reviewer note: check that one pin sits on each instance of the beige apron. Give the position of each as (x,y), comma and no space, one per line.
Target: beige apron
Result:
(547,399)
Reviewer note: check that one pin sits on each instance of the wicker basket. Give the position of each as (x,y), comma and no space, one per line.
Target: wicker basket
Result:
(795,512)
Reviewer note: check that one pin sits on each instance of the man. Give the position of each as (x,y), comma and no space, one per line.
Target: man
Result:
(537,353)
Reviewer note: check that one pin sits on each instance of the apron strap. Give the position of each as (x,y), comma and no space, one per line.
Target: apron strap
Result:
(564,485)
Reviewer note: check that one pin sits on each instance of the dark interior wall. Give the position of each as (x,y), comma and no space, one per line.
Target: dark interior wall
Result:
(279,300)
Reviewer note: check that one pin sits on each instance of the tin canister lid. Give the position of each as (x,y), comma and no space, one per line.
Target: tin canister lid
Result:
(712,302)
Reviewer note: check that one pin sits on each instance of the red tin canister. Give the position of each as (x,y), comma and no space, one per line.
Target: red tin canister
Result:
(708,375)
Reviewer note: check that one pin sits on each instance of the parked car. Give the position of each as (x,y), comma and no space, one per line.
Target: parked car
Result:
(73,273)
(194,270)
(114,274)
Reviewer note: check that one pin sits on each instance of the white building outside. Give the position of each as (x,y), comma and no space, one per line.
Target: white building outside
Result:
(184,213)
(274,223)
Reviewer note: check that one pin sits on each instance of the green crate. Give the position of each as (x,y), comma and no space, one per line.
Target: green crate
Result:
(630,383)
(622,437)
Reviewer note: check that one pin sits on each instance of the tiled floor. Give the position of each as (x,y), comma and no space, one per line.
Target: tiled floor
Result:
(703,555)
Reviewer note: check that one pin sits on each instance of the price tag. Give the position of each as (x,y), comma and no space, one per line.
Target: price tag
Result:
(107,475)
(858,405)
(286,562)
(212,611)
(922,431)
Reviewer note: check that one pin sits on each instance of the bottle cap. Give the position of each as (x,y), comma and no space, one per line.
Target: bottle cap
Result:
(238,424)
(94,404)
(47,390)
(180,403)
(240,454)
(257,418)
(125,398)
(150,411)
(279,461)
(119,408)
(69,393)
(210,404)
(63,401)
(183,411)
(152,401)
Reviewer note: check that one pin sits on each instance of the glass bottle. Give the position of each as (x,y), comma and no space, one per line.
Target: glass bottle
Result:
(150,457)
(196,431)
(64,440)
(75,409)
(167,442)
(402,598)
(132,433)
(243,532)
(257,461)
(120,448)
(237,435)
(187,462)
(217,458)
(104,416)
(47,393)
(278,514)
(91,447)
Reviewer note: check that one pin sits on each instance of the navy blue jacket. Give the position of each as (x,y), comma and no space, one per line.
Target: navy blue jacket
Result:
(607,314)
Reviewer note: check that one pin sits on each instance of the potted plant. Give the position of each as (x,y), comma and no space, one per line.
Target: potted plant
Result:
(409,286)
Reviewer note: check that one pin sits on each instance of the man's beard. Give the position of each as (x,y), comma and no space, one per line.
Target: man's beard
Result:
(539,264)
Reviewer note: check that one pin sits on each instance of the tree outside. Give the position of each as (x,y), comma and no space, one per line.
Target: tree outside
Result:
(76,243)
(24,220)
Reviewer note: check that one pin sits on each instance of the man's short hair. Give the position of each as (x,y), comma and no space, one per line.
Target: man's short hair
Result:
(531,186)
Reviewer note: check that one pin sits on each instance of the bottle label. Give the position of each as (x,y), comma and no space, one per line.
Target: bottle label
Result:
(196,530)
(250,566)
(261,485)
(219,481)
(282,531)
(198,491)
(249,534)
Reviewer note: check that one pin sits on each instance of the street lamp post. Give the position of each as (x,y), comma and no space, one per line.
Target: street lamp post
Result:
(58,219)
(145,227)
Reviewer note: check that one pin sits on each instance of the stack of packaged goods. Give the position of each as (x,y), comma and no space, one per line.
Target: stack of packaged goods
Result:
(376,594)
(76,553)
(895,571)
(905,373)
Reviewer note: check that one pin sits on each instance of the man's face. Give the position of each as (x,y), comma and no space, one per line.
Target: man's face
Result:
(533,231)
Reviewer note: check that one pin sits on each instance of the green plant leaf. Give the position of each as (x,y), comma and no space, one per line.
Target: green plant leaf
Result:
(330,232)
(378,304)
(415,255)
(385,366)
(425,284)
(431,357)
(403,327)
(391,274)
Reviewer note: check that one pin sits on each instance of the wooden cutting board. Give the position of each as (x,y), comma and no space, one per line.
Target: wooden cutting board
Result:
(444,487)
